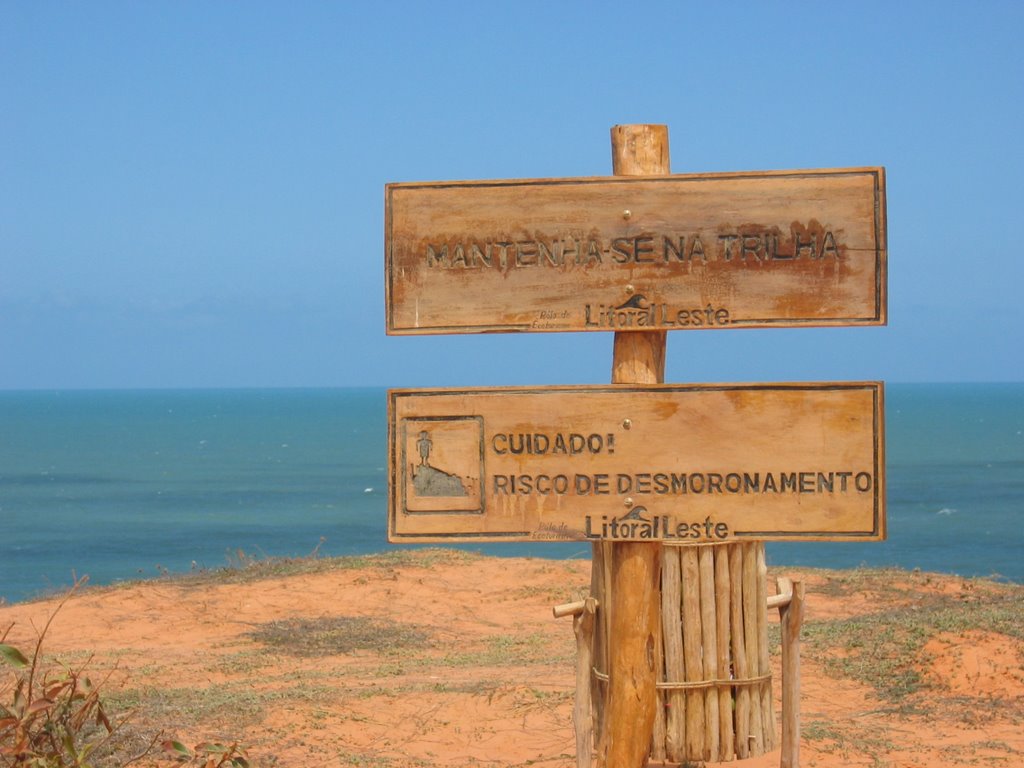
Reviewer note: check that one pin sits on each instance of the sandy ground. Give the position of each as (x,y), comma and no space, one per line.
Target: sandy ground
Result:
(438,659)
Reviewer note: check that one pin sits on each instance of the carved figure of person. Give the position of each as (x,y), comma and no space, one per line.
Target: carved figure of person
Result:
(423,445)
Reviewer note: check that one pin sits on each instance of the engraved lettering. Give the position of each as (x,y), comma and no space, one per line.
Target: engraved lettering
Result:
(677,249)
(643,249)
(437,255)
(639,524)
(526,253)
(570,251)
(697,248)
(735,482)
(503,255)
(800,246)
(750,245)
(829,247)
(726,242)
(459,256)
(620,250)
(664,249)
(552,256)
(478,257)
(777,254)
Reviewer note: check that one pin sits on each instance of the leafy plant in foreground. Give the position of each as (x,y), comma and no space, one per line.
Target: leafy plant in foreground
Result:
(52,718)
(208,755)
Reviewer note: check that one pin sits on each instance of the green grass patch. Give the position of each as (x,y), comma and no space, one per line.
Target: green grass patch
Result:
(243,568)
(886,649)
(364,760)
(332,636)
(506,650)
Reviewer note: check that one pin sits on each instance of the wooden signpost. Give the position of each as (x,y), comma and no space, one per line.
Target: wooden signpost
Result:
(639,463)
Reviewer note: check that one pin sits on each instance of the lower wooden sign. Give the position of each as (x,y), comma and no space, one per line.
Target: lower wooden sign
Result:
(685,463)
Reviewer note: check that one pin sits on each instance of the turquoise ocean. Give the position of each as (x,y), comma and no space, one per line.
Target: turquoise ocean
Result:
(132,484)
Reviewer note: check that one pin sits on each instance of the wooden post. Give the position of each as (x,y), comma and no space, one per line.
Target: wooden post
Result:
(583,627)
(675,667)
(600,588)
(693,654)
(722,608)
(792,618)
(764,662)
(709,650)
(638,358)
(739,651)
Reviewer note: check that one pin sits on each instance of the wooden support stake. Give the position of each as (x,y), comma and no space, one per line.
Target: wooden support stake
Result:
(764,661)
(638,358)
(739,651)
(751,611)
(709,641)
(600,583)
(658,736)
(722,607)
(583,628)
(792,618)
(675,668)
(692,655)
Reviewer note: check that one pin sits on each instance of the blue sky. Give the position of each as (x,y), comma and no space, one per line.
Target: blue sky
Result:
(191,194)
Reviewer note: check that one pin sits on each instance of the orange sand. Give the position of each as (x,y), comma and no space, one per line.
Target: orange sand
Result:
(493,684)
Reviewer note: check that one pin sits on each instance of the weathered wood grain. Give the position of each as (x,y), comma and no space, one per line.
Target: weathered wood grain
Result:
(739,651)
(722,609)
(752,611)
(792,618)
(675,666)
(630,711)
(583,628)
(696,735)
(772,461)
(709,649)
(680,252)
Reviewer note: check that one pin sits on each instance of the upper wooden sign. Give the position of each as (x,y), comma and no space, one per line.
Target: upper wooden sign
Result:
(731,250)
(686,463)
